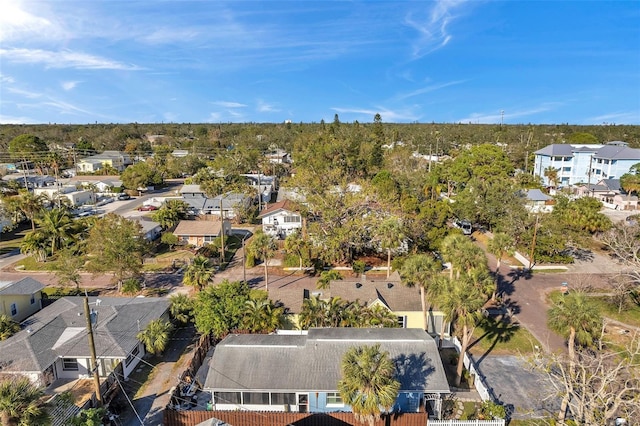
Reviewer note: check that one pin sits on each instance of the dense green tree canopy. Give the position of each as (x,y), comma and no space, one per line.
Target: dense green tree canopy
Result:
(219,309)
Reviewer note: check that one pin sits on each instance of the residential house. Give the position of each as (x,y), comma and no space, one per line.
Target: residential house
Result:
(300,373)
(108,186)
(151,230)
(278,156)
(539,202)
(225,204)
(610,193)
(201,232)
(20,299)
(75,196)
(585,163)
(53,343)
(264,186)
(281,219)
(94,163)
(31,181)
(391,294)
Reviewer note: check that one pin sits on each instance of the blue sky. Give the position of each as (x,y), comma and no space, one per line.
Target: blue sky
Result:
(154,61)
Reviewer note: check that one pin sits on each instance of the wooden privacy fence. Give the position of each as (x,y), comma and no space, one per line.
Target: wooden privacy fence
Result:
(265,418)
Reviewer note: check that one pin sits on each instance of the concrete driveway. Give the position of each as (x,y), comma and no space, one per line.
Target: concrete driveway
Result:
(527,393)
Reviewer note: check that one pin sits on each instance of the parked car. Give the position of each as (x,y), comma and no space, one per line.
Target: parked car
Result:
(464,226)
(147,208)
(124,197)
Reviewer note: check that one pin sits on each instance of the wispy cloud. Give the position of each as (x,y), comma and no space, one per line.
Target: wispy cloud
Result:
(498,116)
(63,59)
(17,23)
(627,117)
(386,114)
(433,28)
(262,106)
(69,85)
(66,108)
(427,89)
(227,104)
(6,119)
(6,79)
(24,93)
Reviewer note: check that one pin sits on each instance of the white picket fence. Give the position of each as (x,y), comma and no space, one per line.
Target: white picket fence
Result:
(466,423)
(479,382)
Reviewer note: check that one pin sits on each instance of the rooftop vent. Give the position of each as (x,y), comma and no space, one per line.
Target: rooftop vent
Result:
(358,285)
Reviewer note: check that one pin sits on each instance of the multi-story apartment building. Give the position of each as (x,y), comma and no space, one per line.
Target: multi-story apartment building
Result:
(585,163)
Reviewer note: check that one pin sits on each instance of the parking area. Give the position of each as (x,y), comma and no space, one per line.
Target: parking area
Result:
(523,390)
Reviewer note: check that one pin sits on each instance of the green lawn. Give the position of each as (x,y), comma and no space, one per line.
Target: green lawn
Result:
(502,338)
(630,314)
(10,241)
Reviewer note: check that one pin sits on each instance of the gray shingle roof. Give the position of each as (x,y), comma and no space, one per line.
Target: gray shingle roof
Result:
(618,152)
(566,150)
(24,286)
(312,362)
(54,331)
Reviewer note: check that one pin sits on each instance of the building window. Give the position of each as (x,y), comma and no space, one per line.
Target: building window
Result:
(14,309)
(227,398)
(255,398)
(69,364)
(334,398)
(283,398)
(33,299)
(402,321)
(132,355)
(291,219)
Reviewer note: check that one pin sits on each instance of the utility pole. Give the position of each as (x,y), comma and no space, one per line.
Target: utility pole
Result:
(533,244)
(92,348)
(221,233)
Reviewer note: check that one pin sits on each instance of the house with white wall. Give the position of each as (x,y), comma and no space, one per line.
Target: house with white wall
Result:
(281,219)
(585,163)
(53,343)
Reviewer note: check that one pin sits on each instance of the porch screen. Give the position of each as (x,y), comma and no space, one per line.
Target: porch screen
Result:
(257,398)
(283,398)
(227,398)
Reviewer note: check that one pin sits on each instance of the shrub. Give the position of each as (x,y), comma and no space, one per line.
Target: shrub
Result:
(131,286)
(359,267)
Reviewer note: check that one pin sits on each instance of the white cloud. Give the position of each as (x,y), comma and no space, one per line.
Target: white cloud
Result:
(6,79)
(262,106)
(63,59)
(226,104)
(69,85)
(497,117)
(7,119)
(427,89)
(433,29)
(624,117)
(387,115)
(16,23)
(24,93)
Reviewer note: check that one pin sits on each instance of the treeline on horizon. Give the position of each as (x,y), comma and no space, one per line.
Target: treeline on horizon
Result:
(519,141)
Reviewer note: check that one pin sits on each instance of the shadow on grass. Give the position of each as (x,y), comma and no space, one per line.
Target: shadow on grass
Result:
(496,330)
(10,241)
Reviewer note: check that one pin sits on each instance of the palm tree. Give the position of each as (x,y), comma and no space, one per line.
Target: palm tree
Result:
(263,247)
(576,318)
(461,302)
(20,403)
(551,174)
(500,245)
(378,316)
(630,182)
(326,277)
(198,273)
(35,244)
(334,309)
(29,204)
(312,313)
(462,253)
(421,270)
(156,336)
(295,244)
(391,236)
(8,327)
(58,226)
(262,316)
(368,382)
(181,308)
